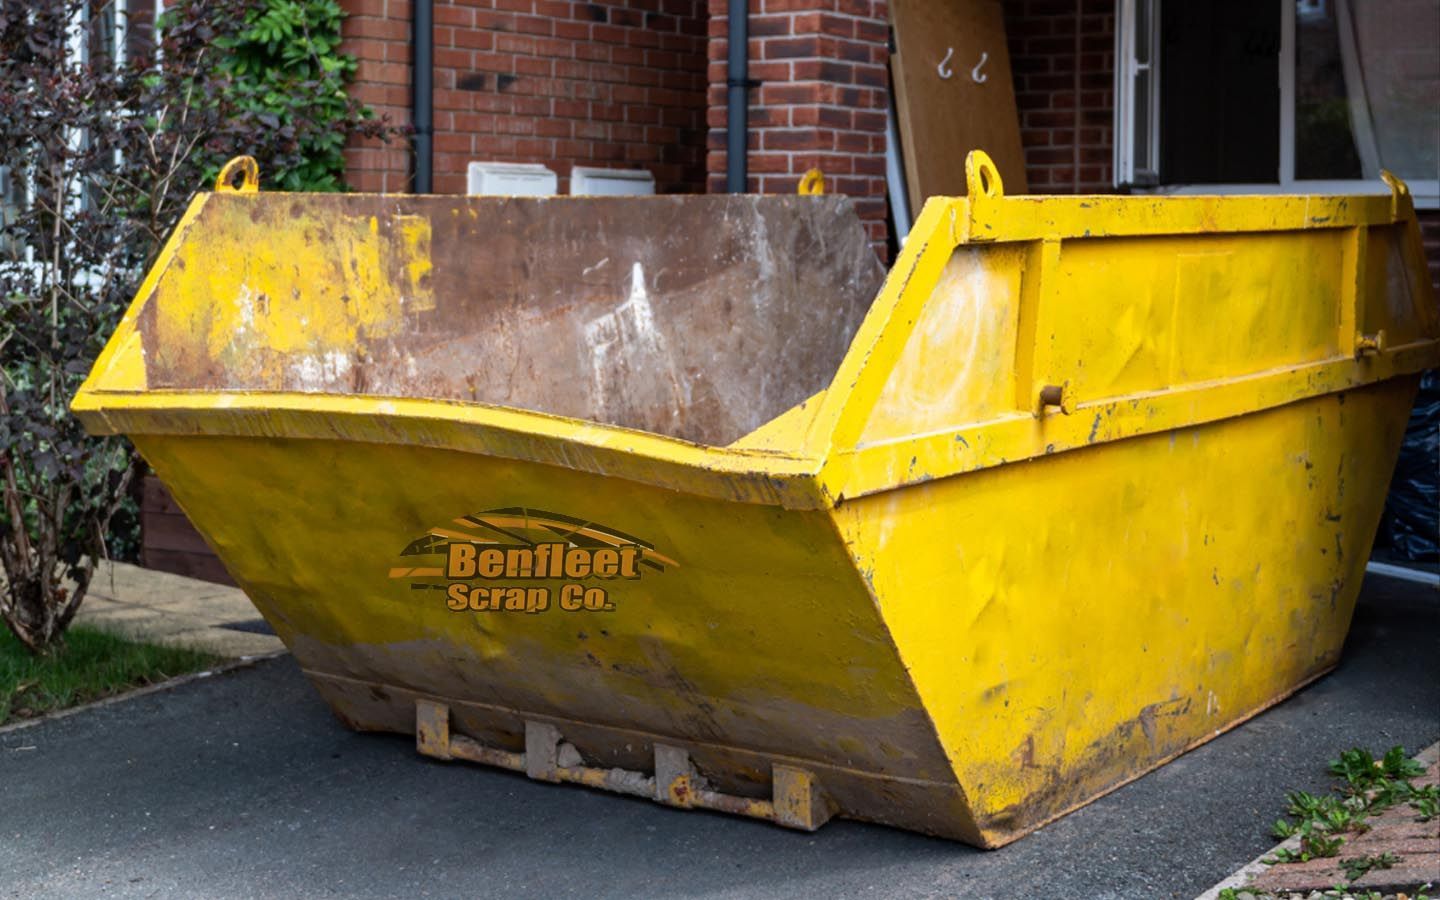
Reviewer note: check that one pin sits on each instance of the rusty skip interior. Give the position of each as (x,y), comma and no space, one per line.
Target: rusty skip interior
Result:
(695,317)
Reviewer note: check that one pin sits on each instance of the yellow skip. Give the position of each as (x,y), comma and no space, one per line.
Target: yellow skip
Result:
(683,497)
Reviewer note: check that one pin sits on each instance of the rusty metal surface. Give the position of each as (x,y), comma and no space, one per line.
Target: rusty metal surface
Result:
(797,801)
(694,317)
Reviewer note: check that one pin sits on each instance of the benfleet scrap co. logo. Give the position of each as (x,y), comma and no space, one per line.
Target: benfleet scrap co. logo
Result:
(491,561)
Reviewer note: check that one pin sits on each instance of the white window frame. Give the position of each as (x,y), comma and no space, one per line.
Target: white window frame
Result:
(13,194)
(1426,192)
(1127,68)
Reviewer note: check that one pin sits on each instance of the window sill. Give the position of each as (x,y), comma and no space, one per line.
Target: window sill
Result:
(1426,194)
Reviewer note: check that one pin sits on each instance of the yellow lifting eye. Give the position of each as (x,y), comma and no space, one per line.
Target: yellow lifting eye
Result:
(812,182)
(982,179)
(249,171)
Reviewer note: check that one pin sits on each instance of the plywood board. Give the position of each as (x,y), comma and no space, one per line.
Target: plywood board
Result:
(942,119)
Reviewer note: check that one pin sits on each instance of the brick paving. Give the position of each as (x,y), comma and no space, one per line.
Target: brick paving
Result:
(1397,831)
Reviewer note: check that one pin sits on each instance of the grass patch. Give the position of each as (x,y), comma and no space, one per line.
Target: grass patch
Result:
(92,664)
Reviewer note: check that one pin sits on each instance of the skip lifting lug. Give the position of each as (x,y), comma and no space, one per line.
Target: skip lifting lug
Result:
(1370,344)
(1057,395)
(249,171)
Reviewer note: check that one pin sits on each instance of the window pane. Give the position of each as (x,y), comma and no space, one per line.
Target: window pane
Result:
(1324,141)
(140,29)
(1219,91)
(102,32)
(1401,68)
(1143,88)
(1143,162)
(1142,31)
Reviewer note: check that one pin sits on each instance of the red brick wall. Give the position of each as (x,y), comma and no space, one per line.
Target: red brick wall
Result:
(1062,53)
(821,102)
(619,84)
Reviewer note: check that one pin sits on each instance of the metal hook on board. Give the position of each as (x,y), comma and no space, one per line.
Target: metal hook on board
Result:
(975,72)
(944,70)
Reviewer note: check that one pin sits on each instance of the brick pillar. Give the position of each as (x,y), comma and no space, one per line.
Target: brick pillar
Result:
(1062,54)
(377,33)
(821,102)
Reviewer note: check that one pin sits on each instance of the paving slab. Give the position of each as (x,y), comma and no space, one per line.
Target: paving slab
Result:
(242,785)
(165,608)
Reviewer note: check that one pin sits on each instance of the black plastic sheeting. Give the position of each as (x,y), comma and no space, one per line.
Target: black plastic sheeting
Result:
(1410,527)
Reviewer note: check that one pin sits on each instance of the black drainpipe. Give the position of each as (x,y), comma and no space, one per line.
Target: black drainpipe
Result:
(737,113)
(422,52)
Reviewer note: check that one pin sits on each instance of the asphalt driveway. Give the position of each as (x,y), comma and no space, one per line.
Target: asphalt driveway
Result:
(242,785)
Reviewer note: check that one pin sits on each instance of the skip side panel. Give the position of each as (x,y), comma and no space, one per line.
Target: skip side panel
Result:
(1073,621)
(747,628)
